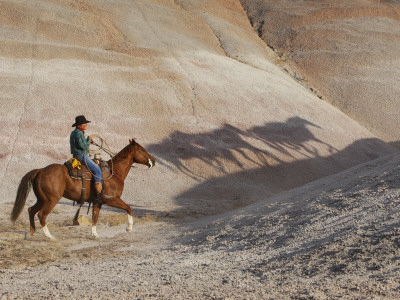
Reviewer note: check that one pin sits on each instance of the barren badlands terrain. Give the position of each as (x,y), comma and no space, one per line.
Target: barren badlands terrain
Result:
(270,182)
(347,51)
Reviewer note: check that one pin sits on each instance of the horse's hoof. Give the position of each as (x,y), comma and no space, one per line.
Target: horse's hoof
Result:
(129,229)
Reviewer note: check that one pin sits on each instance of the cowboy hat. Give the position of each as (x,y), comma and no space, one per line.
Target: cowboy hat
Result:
(79,120)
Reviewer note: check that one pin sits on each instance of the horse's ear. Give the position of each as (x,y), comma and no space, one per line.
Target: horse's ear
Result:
(132,141)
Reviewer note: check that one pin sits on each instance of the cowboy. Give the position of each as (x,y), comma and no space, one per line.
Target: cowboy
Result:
(80,150)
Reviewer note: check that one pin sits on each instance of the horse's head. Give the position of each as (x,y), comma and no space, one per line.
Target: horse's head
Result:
(140,155)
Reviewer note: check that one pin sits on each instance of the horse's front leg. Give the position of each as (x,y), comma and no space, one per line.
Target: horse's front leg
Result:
(95,218)
(117,202)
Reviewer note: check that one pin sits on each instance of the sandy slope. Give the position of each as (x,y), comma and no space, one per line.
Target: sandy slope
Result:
(346,50)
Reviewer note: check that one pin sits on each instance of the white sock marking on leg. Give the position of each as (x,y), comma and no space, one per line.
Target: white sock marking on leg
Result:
(47,233)
(130,223)
(94,232)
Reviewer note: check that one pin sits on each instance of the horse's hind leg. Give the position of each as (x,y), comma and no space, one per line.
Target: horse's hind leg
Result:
(32,212)
(44,212)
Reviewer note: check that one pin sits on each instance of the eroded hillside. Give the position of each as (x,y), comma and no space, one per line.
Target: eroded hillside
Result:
(346,50)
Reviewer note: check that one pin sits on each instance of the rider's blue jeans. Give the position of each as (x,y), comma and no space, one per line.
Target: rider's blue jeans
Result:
(93,167)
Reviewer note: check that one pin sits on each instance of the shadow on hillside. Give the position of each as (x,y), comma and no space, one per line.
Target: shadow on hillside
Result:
(231,144)
(395,144)
(261,146)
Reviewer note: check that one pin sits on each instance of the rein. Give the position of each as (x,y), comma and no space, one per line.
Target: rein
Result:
(112,155)
(119,177)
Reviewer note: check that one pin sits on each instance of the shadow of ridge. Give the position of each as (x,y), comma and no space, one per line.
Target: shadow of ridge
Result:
(243,188)
(312,221)
(395,144)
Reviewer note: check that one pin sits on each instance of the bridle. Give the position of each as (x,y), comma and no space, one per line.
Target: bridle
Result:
(112,155)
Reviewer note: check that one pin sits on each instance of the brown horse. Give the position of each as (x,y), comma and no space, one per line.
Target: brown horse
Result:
(53,182)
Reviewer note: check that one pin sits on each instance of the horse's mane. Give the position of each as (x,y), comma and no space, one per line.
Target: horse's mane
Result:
(122,155)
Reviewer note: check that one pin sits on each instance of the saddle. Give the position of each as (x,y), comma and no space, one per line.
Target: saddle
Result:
(77,170)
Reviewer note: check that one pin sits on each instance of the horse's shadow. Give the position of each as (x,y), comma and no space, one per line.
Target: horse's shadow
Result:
(268,159)
(258,145)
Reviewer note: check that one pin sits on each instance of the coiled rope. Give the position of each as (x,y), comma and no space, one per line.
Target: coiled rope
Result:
(106,148)
(101,146)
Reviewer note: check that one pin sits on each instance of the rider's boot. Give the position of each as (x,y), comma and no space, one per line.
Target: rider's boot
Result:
(99,193)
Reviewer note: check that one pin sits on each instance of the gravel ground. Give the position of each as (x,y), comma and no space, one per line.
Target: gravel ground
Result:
(338,237)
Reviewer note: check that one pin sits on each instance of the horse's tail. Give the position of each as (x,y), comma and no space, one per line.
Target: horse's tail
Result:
(22,193)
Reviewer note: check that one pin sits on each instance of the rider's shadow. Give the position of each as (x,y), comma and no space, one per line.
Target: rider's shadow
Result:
(266,160)
(258,145)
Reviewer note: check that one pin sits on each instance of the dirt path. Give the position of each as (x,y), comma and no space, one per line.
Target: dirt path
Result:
(19,250)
